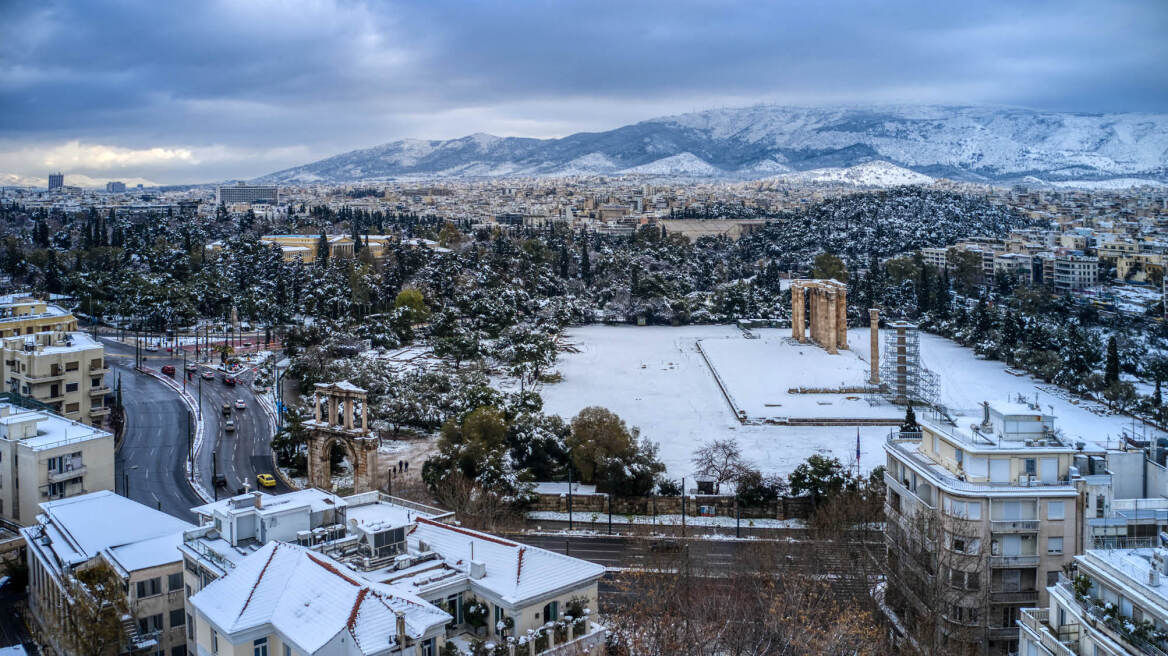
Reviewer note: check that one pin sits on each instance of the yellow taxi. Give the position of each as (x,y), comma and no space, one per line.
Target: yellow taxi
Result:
(266,480)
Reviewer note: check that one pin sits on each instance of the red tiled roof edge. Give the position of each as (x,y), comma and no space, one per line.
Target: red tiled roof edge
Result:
(257,581)
(468,532)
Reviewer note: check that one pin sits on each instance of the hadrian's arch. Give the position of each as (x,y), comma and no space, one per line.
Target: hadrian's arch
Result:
(340,419)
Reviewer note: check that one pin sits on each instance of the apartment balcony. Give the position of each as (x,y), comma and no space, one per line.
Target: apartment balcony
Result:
(97,366)
(66,474)
(101,390)
(100,411)
(1002,633)
(44,378)
(1014,596)
(899,488)
(1014,526)
(936,475)
(1034,621)
(1014,561)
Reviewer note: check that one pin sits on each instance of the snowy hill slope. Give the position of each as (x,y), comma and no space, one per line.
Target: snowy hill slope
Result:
(987,144)
(869,174)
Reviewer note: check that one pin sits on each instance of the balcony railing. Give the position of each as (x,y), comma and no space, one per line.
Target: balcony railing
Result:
(1014,561)
(942,477)
(1014,525)
(1035,620)
(100,390)
(1014,596)
(899,488)
(56,476)
(1111,627)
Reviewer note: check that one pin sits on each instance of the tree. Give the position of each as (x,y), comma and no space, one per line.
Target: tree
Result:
(910,424)
(597,434)
(322,249)
(819,477)
(721,459)
(96,603)
(1111,372)
(827,265)
(413,303)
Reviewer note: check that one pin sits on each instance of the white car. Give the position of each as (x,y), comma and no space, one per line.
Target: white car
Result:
(229,426)
(240,404)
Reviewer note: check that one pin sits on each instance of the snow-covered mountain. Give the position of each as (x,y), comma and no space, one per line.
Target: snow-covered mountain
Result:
(986,144)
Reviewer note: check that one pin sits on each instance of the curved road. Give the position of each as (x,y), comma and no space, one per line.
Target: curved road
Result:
(154,448)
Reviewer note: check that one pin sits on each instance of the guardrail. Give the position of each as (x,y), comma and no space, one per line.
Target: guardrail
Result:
(1013,525)
(1035,620)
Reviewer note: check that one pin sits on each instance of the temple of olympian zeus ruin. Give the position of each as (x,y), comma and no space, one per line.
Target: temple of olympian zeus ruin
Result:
(826,303)
(340,417)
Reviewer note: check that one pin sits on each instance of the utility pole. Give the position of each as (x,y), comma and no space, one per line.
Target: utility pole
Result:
(569,489)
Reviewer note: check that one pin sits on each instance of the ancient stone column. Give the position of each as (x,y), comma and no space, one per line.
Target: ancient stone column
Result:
(830,329)
(348,403)
(841,316)
(797,309)
(874,343)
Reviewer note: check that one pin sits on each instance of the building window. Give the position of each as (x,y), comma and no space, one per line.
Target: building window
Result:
(260,647)
(190,627)
(428,647)
(150,624)
(1054,545)
(214,642)
(150,587)
(287,650)
(177,618)
(1052,578)
(551,612)
(1054,510)
(71,387)
(72,366)
(174,581)
(180,650)
(72,407)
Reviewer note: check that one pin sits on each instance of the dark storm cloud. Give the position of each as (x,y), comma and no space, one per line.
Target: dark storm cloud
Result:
(250,86)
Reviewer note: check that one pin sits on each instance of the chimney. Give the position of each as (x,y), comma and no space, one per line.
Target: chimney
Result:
(478,569)
(874,339)
(400,617)
(259,500)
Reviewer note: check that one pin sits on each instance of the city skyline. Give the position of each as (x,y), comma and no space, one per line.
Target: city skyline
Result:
(146,93)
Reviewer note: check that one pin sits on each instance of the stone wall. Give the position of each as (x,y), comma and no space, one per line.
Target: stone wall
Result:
(723,505)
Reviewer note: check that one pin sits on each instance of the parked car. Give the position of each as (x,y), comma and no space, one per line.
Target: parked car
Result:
(168,369)
(208,375)
(266,480)
(229,381)
(240,404)
(227,409)
(229,426)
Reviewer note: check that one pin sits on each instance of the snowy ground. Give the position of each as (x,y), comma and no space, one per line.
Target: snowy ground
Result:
(758,374)
(655,379)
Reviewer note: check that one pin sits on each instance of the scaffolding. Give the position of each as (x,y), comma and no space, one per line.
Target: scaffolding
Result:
(904,378)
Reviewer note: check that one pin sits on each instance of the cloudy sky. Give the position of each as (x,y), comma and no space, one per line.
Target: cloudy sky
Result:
(176,92)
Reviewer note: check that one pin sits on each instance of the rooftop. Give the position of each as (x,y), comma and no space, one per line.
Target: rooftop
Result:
(75,530)
(51,431)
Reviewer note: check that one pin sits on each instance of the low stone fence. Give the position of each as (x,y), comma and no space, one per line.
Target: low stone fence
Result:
(696,505)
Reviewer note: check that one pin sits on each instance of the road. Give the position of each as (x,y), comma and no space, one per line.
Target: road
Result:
(155,447)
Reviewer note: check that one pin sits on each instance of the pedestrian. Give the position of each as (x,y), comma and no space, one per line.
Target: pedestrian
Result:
(399,465)
(407,465)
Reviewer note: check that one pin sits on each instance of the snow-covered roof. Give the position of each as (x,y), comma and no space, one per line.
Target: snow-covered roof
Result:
(51,430)
(514,572)
(308,598)
(317,500)
(79,528)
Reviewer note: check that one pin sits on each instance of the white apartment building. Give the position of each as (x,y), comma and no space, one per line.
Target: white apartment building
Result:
(1114,603)
(937,258)
(1073,272)
(45,457)
(983,513)
(371,550)
(65,371)
(138,542)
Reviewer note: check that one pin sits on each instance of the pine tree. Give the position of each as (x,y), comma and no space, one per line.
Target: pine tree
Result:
(910,424)
(1111,374)
(322,249)
(1157,400)
(585,263)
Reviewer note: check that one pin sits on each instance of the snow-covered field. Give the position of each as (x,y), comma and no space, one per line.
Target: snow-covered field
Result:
(655,379)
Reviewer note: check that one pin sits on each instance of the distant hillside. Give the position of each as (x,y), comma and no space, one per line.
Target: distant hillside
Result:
(982,144)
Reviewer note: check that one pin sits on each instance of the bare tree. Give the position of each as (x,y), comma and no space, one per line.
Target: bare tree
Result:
(95,603)
(721,459)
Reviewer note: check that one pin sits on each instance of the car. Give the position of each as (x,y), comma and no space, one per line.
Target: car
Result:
(151,347)
(168,369)
(208,375)
(219,480)
(191,366)
(226,409)
(266,480)
(229,381)
(665,546)
(240,404)
(229,426)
